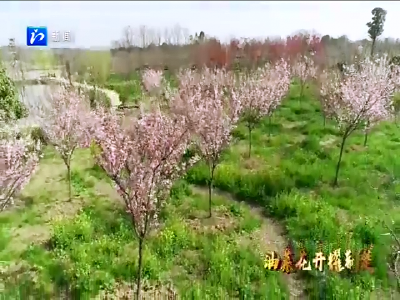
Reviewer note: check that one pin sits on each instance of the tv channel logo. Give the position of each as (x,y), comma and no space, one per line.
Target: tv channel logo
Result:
(36,36)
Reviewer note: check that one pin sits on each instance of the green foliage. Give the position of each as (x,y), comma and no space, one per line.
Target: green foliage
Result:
(129,91)
(395,60)
(96,249)
(44,59)
(98,98)
(95,66)
(38,134)
(288,178)
(291,178)
(376,25)
(11,107)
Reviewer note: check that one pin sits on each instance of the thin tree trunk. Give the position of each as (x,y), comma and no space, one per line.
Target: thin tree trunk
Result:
(373,47)
(250,129)
(366,135)
(324,121)
(335,182)
(209,198)
(139,270)
(269,125)
(69,181)
(210,182)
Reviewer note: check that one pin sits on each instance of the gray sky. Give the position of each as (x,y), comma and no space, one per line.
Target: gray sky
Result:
(96,24)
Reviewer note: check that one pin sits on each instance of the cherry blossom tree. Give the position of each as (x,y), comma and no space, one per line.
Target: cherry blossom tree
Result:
(158,87)
(152,80)
(304,69)
(362,94)
(261,93)
(18,162)
(65,123)
(209,102)
(143,159)
(327,106)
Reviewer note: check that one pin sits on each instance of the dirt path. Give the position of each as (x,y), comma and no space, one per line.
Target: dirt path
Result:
(38,74)
(114,96)
(270,237)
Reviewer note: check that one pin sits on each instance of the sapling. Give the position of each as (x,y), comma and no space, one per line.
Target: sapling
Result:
(363,94)
(65,123)
(304,69)
(143,159)
(262,92)
(211,107)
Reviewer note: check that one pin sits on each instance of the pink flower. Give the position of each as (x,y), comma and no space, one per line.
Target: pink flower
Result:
(143,159)
(152,79)
(18,163)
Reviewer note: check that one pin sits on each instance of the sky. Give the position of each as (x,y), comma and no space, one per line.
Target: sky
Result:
(96,23)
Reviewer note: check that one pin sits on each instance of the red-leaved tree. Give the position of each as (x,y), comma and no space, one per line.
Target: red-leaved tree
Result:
(363,93)
(18,162)
(262,91)
(65,123)
(143,159)
(211,107)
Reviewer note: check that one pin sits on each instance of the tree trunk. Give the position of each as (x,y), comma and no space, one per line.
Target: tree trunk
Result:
(301,91)
(366,134)
(69,180)
(269,125)
(209,198)
(210,182)
(335,182)
(250,129)
(139,270)
(324,121)
(373,47)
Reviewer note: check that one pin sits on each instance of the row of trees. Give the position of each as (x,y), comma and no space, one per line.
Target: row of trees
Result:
(144,156)
(143,46)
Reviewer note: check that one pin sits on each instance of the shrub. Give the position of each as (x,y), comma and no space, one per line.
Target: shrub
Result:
(98,98)
(11,107)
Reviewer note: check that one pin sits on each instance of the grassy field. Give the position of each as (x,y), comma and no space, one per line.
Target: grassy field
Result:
(283,193)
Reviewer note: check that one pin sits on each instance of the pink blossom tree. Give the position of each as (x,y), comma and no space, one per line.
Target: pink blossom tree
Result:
(327,105)
(65,124)
(362,93)
(18,162)
(158,87)
(152,80)
(304,69)
(261,93)
(143,159)
(211,107)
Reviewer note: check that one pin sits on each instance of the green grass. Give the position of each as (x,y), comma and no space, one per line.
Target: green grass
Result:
(130,91)
(290,175)
(87,246)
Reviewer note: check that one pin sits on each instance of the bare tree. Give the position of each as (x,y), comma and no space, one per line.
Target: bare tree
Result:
(143,36)
(167,36)
(158,37)
(127,37)
(177,34)
(186,36)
